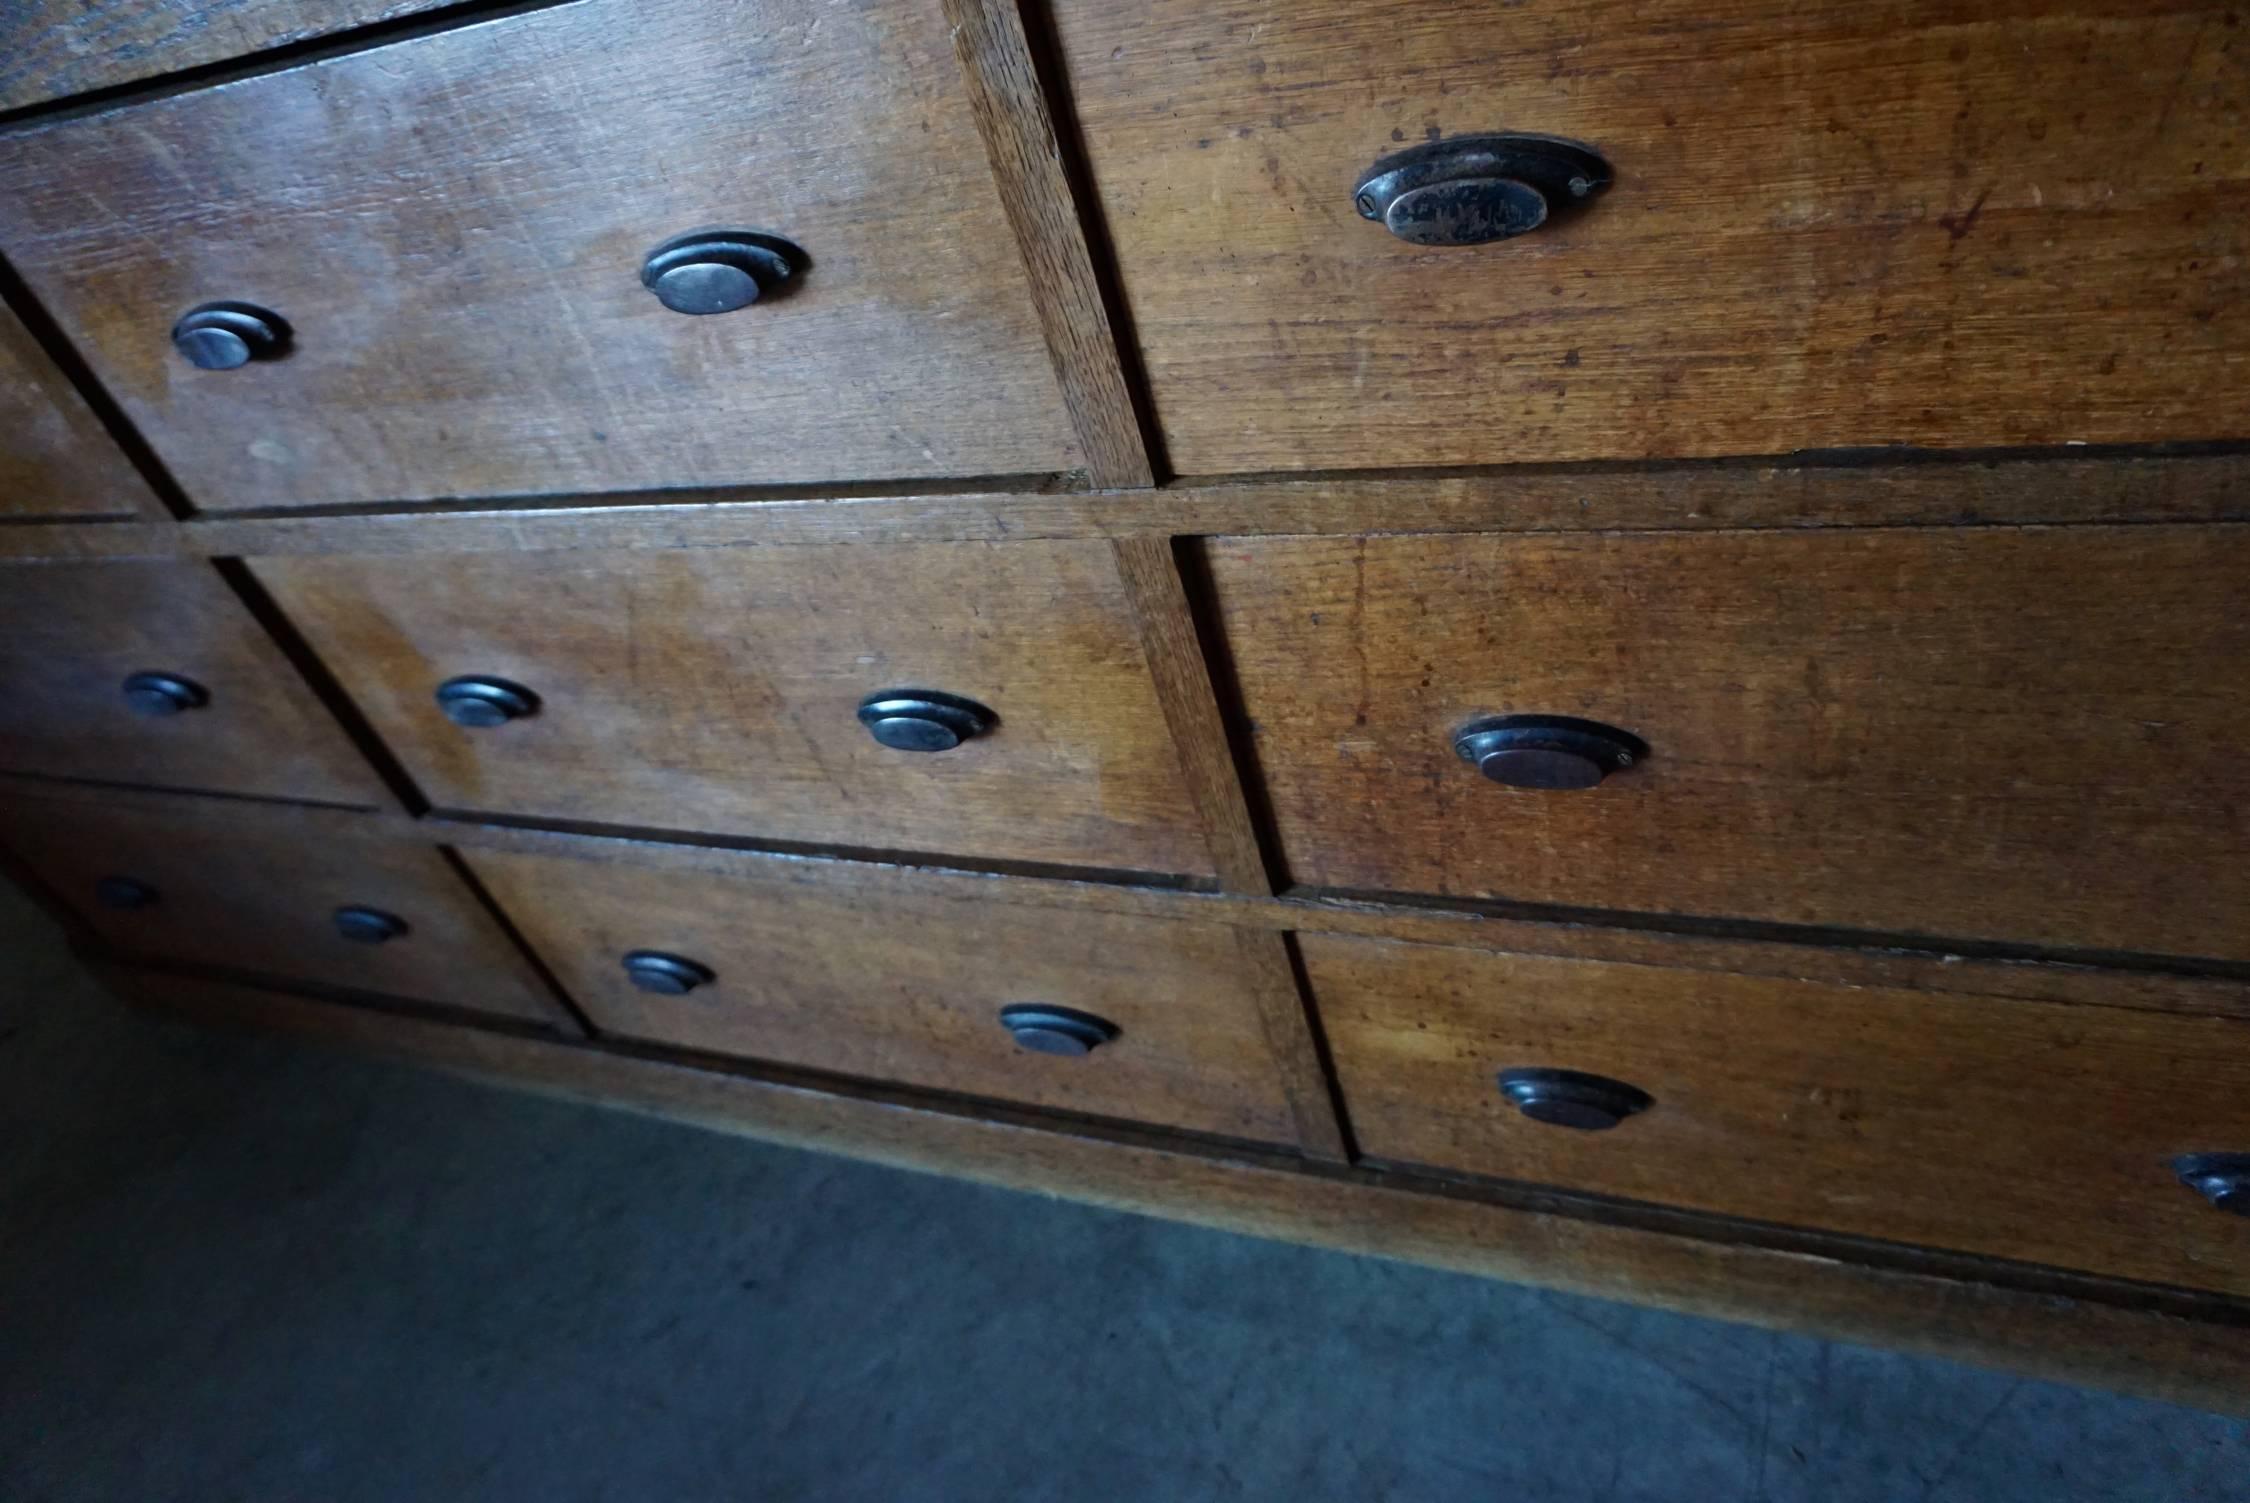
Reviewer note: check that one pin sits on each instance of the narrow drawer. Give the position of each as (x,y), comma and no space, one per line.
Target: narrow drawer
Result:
(719,691)
(911,988)
(57,461)
(1827,225)
(2030,1130)
(155,673)
(2023,736)
(392,920)
(444,243)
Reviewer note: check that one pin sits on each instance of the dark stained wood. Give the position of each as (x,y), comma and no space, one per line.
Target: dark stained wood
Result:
(1019,136)
(717,691)
(248,903)
(1909,222)
(1175,658)
(1282,1007)
(455,226)
(2024,1131)
(2204,1362)
(2025,736)
(70,633)
(909,987)
(56,460)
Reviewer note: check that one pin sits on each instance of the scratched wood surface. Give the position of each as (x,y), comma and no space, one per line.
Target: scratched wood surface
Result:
(454,226)
(1929,222)
(56,460)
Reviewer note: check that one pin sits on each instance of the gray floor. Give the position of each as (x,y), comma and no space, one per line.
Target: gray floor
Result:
(240,1268)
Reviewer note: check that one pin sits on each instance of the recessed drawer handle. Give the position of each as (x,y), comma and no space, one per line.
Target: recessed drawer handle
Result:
(1473,189)
(718,271)
(222,336)
(1572,1098)
(923,720)
(368,926)
(666,975)
(125,894)
(1056,1030)
(477,702)
(1546,751)
(2221,1178)
(157,694)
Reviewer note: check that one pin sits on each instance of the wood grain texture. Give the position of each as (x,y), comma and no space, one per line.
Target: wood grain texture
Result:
(455,224)
(1011,109)
(717,691)
(2013,735)
(909,988)
(1285,1011)
(2023,1131)
(1923,222)
(56,459)
(247,903)
(2188,1359)
(69,635)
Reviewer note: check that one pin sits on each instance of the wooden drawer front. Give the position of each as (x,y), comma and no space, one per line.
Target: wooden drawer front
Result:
(909,988)
(71,634)
(454,228)
(260,904)
(56,460)
(718,691)
(2014,735)
(2030,1130)
(1830,225)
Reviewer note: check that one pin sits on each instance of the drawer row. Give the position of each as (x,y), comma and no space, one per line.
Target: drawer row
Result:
(2083,1137)
(2015,736)
(583,249)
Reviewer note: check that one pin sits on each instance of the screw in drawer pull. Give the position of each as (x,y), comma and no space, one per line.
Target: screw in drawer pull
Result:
(718,271)
(666,975)
(1572,1098)
(222,336)
(923,720)
(1474,189)
(159,694)
(1056,1030)
(2221,1178)
(1546,751)
(125,894)
(478,702)
(368,926)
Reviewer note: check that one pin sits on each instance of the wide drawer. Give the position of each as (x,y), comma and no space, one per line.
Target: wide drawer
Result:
(1830,225)
(2021,1129)
(387,919)
(212,704)
(2014,735)
(56,460)
(903,986)
(452,230)
(719,691)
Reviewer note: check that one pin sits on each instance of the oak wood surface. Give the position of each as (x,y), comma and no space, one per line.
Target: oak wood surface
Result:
(246,902)
(2020,1130)
(454,226)
(56,460)
(69,635)
(2026,736)
(1928,222)
(717,691)
(909,987)
(1710,1269)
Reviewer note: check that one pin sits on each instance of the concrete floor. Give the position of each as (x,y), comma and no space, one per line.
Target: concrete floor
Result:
(239,1268)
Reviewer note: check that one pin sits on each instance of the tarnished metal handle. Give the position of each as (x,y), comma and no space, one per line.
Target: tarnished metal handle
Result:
(1474,189)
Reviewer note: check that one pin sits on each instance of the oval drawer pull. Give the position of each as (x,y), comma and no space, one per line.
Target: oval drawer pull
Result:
(923,720)
(125,894)
(1474,189)
(1056,1030)
(1572,1098)
(222,336)
(158,694)
(477,702)
(2221,1178)
(718,271)
(666,975)
(1546,751)
(368,926)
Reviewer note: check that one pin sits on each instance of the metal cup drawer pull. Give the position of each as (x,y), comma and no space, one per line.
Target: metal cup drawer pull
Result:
(160,694)
(923,720)
(1056,1030)
(2221,1178)
(1546,751)
(718,271)
(477,702)
(367,926)
(1475,189)
(1572,1098)
(224,336)
(665,975)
